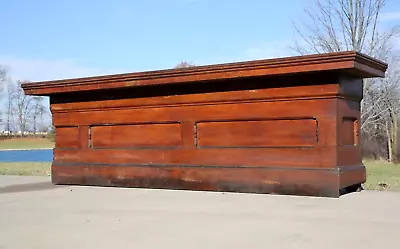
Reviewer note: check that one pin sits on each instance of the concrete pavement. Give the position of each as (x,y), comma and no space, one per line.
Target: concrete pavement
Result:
(35,214)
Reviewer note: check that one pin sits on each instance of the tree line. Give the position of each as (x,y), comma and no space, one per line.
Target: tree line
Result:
(21,114)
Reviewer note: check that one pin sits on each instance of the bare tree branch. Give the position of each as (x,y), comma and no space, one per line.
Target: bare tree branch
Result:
(339,25)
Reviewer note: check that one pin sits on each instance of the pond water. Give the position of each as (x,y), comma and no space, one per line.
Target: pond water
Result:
(26,155)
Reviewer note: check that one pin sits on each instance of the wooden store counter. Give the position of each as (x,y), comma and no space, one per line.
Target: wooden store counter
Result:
(285,126)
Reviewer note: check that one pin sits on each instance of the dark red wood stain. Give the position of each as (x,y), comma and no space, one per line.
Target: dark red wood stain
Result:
(139,135)
(67,137)
(262,133)
(284,126)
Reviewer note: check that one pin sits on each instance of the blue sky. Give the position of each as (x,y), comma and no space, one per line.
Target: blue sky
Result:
(46,40)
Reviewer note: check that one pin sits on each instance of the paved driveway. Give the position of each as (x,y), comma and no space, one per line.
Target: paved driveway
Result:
(35,214)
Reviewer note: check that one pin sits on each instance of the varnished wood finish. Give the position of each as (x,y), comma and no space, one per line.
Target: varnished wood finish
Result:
(257,133)
(136,136)
(285,126)
(67,137)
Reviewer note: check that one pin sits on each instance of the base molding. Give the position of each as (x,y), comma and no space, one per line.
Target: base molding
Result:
(327,182)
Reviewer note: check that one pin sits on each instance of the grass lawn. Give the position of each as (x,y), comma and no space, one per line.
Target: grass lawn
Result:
(26,143)
(381,175)
(25,168)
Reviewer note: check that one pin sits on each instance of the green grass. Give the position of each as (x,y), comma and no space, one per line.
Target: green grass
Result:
(25,169)
(26,143)
(382,176)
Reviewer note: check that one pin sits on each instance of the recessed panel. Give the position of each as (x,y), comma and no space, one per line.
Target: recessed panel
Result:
(349,131)
(67,137)
(265,133)
(136,135)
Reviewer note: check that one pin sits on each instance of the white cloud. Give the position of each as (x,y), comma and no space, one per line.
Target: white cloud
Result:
(390,16)
(266,50)
(40,69)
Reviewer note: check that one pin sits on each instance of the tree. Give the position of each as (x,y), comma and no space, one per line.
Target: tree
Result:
(341,25)
(391,107)
(38,111)
(3,76)
(20,107)
(184,64)
(11,89)
(19,112)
